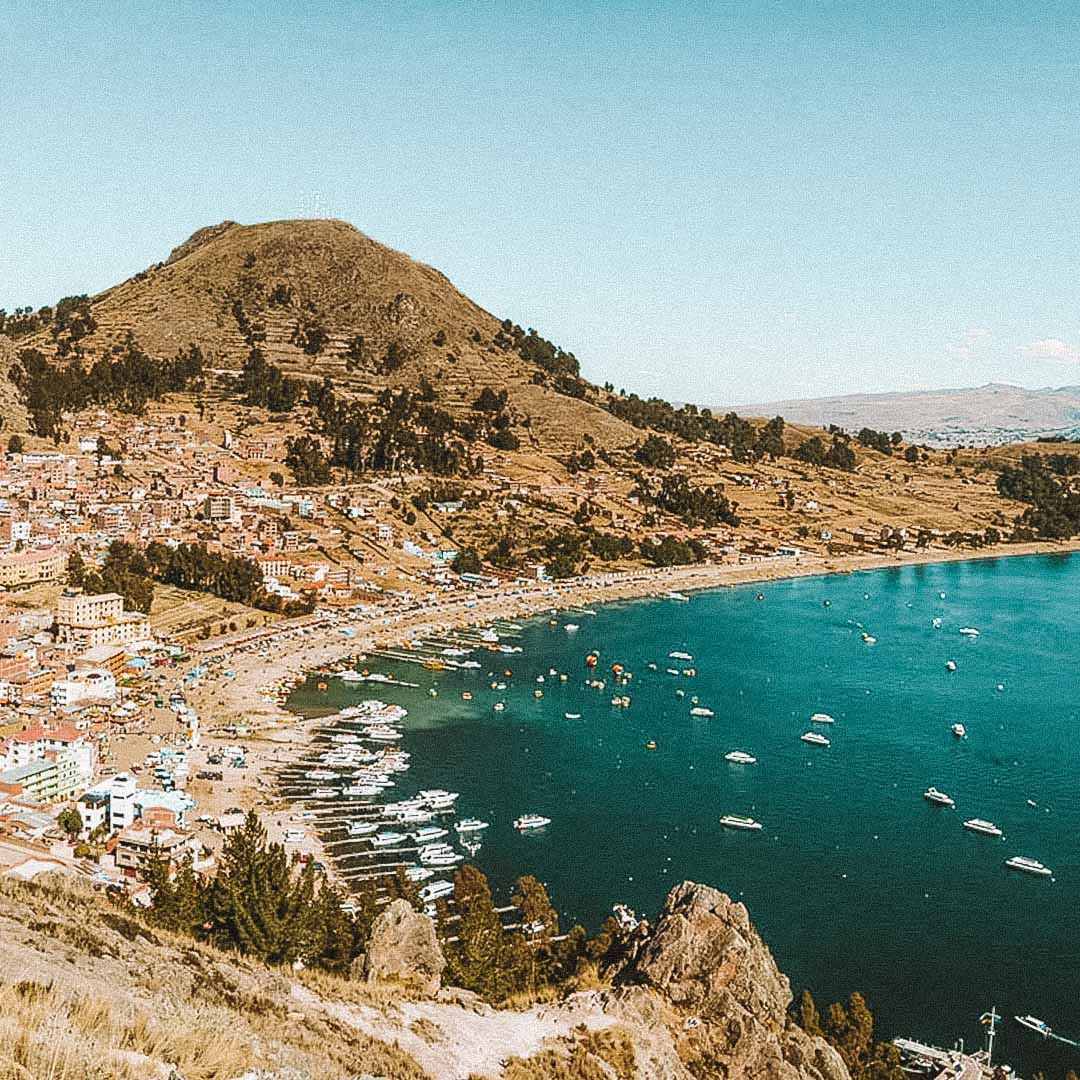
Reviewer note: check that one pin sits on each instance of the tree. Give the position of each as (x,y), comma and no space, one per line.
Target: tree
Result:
(911,454)
(807,1014)
(76,570)
(770,440)
(68,819)
(16,445)
(304,456)
(655,453)
(467,561)
(477,960)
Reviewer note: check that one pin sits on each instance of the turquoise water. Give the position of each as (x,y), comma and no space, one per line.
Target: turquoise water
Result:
(855,882)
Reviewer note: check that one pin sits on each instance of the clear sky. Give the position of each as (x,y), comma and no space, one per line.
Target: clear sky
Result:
(719,201)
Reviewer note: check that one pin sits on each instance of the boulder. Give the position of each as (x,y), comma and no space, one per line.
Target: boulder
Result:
(403,948)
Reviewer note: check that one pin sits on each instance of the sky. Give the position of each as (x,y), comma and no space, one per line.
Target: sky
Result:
(720,202)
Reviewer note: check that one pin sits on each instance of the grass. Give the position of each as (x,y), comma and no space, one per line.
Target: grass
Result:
(593,1055)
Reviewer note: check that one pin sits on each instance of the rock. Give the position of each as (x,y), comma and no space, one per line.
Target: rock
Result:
(710,966)
(403,948)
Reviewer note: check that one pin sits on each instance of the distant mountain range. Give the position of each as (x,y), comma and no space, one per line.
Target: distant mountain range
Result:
(988,415)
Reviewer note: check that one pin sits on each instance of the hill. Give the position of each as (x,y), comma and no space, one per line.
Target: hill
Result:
(982,416)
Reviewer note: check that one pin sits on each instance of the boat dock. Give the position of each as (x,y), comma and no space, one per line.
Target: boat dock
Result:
(928,1062)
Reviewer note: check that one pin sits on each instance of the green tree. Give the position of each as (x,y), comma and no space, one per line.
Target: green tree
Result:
(478,960)
(68,819)
(467,561)
(16,445)
(807,1014)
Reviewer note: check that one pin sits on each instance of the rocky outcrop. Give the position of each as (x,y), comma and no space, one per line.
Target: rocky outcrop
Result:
(404,949)
(714,973)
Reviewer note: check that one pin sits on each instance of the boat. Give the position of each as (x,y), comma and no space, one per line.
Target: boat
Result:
(572,716)
(680,656)
(814,738)
(969,631)
(869,639)
(821,718)
(470,824)
(418,873)
(571,627)
(740,757)
(1034,1024)
(733,821)
(987,828)
(363,828)
(1028,866)
(443,858)
(388,839)
(320,774)
(531,821)
(324,793)
(498,706)
(936,623)
(436,890)
(362,791)
(950,665)
(931,794)
(681,597)
(959,731)
(699,710)
(430,795)
(428,833)
(351,676)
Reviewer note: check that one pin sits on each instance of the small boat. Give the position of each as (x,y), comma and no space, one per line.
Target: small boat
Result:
(821,718)
(939,798)
(362,791)
(1035,1024)
(442,858)
(700,710)
(740,757)
(950,665)
(959,731)
(869,639)
(987,828)
(324,793)
(936,623)
(681,597)
(538,693)
(498,706)
(733,821)
(814,739)
(428,833)
(388,839)
(363,828)
(418,873)
(650,745)
(571,627)
(470,824)
(572,715)
(1028,866)
(531,821)
(969,631)
(436,890)
(320,774)
(466,695)
(680,656)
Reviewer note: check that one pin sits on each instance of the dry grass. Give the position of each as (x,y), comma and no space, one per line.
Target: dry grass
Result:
(594,1055)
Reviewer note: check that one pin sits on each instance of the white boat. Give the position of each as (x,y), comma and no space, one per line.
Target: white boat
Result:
(572,716)
(1028,866)
(351,676)
(699,710)
(470,824)
(571,627)
(680,656)
(382,734)
(363,828)
(430,795)
(429,833)
(740,757)
(324,793)
(970,631)
(498,706)
(814,739)
(950,665)
(869,639)
(959,731)
(418,873)
(435,890)
(362,791)
(681,597)
(988,828)
(531,821)
(320,774)
(936,623)
(821,718)
(1035,1024)
(939,798)
(733,821)
(388,839)
(443,858)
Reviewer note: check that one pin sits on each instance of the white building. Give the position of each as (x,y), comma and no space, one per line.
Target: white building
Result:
(82,688)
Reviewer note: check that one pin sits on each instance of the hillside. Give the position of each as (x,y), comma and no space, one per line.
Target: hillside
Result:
(321,299)
(697,996)
(982,416)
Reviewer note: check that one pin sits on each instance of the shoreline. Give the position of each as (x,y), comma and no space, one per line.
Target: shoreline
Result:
(251,696)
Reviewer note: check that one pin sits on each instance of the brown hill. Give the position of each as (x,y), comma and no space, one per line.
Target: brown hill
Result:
(324,299)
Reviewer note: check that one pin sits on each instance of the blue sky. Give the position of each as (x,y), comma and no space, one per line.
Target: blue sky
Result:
(716,201)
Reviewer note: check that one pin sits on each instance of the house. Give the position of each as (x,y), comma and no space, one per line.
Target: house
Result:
(156,835)
(82,687)
(54,778)
(87,620)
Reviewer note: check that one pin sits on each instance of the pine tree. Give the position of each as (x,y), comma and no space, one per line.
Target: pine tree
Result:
(808,1017)
(476,961)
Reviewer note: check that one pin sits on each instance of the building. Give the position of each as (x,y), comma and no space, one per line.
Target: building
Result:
(26,567)
(83,687)
(100,619)
(156,835)
(37,742)
(219,507)
(53,778)
(118,793)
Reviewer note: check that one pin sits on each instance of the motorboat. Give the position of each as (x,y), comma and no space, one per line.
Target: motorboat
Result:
(572,716)
(950,665)
(352,676)
(969,631)
(388,839)
(939,798)
(1028,866)
(700,710)
(531,821)
(362,791)
(430,795)
(428,833)
(571,627)
(435,890)
(740,757)
(959,731)
(733,821)
(320,774)
(363,828)
(987,828)
(680,656)
(324,793)
(821,718)
(471,824)
(814,738)
(418,873)
(498,706)
(442,858)
(1041,1027)
(681,597)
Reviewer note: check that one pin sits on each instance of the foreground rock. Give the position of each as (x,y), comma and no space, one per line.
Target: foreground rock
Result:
(403,949)
(711,968)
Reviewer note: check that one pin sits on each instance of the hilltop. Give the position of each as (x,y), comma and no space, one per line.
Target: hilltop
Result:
(981,416)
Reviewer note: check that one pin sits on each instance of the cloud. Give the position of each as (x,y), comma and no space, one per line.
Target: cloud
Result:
(970,341)
(1051,349)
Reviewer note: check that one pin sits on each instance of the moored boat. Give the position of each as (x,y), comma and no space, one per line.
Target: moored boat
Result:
(1028,866)
(939,798)
(987,828)
(734,821)
(814,738)
(531,821)
(740,757)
